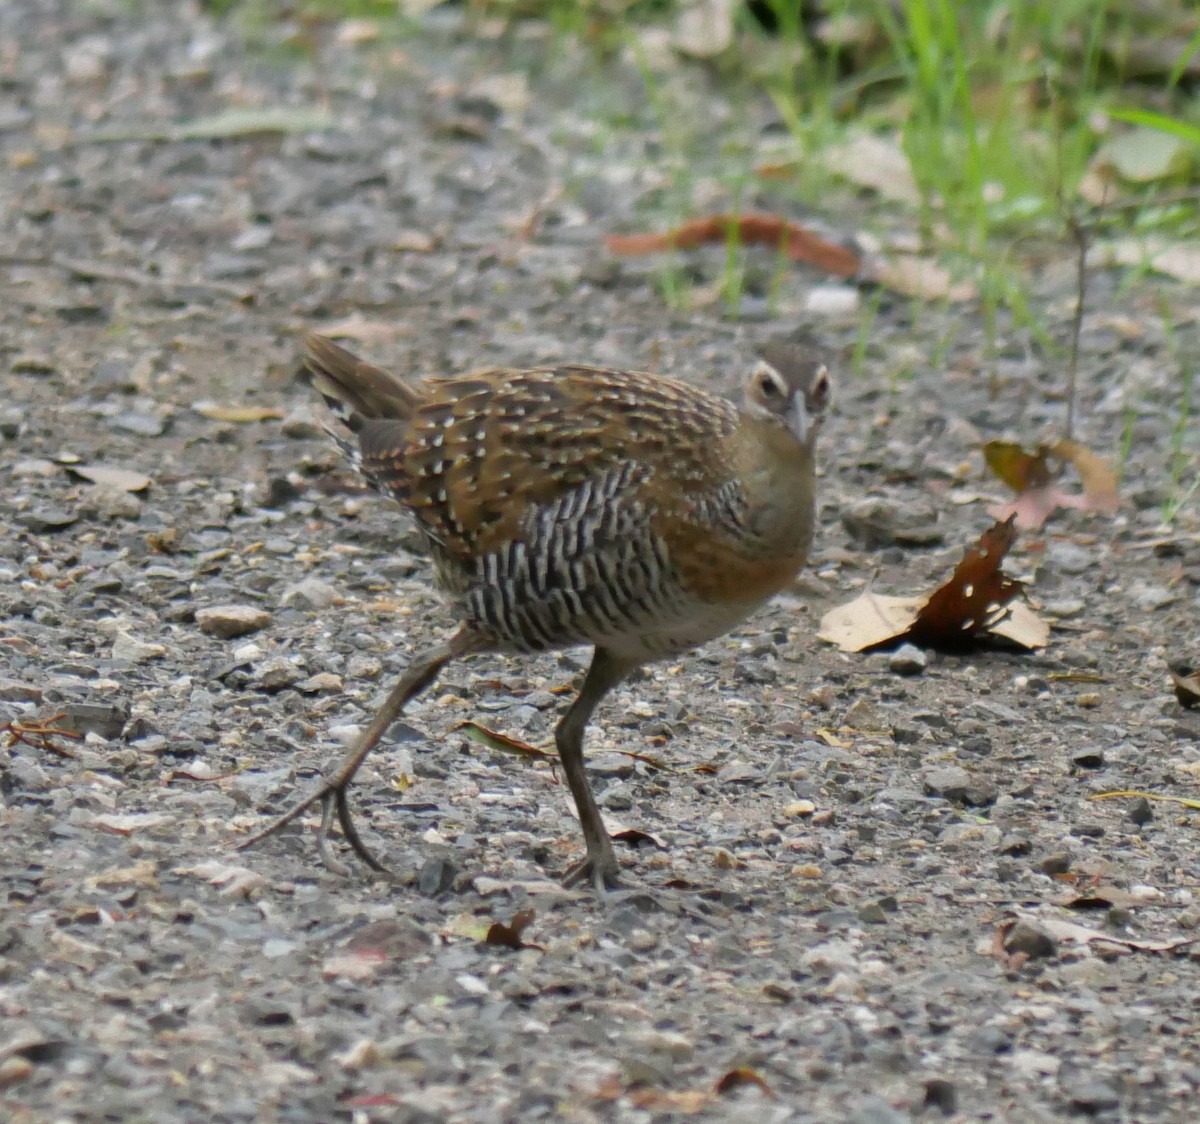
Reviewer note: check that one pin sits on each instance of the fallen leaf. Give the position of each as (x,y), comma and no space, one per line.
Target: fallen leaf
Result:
(240,414)
(739,1078)
(976,593)
(752,229)
(509,936)
(1187,686)
(1034,478)
(1182,800)
(1080,934)
(492,739)
(123,478)
(976,602)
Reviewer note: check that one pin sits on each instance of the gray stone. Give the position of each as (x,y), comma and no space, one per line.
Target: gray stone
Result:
(957,784)
(227,621)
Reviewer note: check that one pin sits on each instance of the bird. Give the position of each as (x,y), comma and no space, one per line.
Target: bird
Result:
(573,505)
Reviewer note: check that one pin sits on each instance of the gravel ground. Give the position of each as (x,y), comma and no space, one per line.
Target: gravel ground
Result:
(859,909)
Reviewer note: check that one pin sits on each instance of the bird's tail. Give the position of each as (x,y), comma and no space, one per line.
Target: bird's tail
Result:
(356,391)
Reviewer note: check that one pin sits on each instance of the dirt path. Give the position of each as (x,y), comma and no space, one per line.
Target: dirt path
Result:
(847,956)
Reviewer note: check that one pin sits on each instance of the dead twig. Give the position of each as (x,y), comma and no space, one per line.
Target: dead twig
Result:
(39,733)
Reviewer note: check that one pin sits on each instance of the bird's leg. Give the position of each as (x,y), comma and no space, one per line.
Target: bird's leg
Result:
(600,865)
(332,792)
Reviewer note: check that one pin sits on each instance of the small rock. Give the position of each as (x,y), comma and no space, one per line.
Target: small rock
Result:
(130,648)
(1069,558)
(435,877)
(13,690)
(616,798)
(942,1095)
(31,364)
(871,522)
(908,659)
(141,425)
(1057,862)
(105,719)
(1090,1095)
(321,683)
(14,1070)
(1014,843)
(1148,597)
(311,593)
(1028,938)
(227,621)
(955,783)
(862,715)
(299,425)
(1090,757)
(42,520)
(799,808)
(1141,812)
(276,675)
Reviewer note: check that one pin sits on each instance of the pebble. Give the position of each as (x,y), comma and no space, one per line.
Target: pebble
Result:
(130,648)
(908,659)
(1030,939)
(1089,757)
(1090,1095)
(311,593)
(1140,811)
(13,690)
(106,501)
(1069,558)
(957,784)
(227,621)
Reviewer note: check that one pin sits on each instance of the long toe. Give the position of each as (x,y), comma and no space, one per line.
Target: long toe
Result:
(602,876)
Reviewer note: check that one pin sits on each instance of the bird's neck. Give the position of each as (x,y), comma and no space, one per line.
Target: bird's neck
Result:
(777,476)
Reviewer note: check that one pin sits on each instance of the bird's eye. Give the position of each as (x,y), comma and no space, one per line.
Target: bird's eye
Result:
(768,386)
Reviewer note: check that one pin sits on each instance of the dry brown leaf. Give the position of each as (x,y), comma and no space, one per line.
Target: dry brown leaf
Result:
(509,936)
(976,602)
(752,229)
(1034,478)
(493,739)
(973,598)
(739,1078)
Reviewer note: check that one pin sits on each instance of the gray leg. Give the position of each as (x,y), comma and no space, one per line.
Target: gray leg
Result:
(332,792)
(600,865)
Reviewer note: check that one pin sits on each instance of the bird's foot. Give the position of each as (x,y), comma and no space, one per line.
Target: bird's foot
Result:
(332,797)
(603,875)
